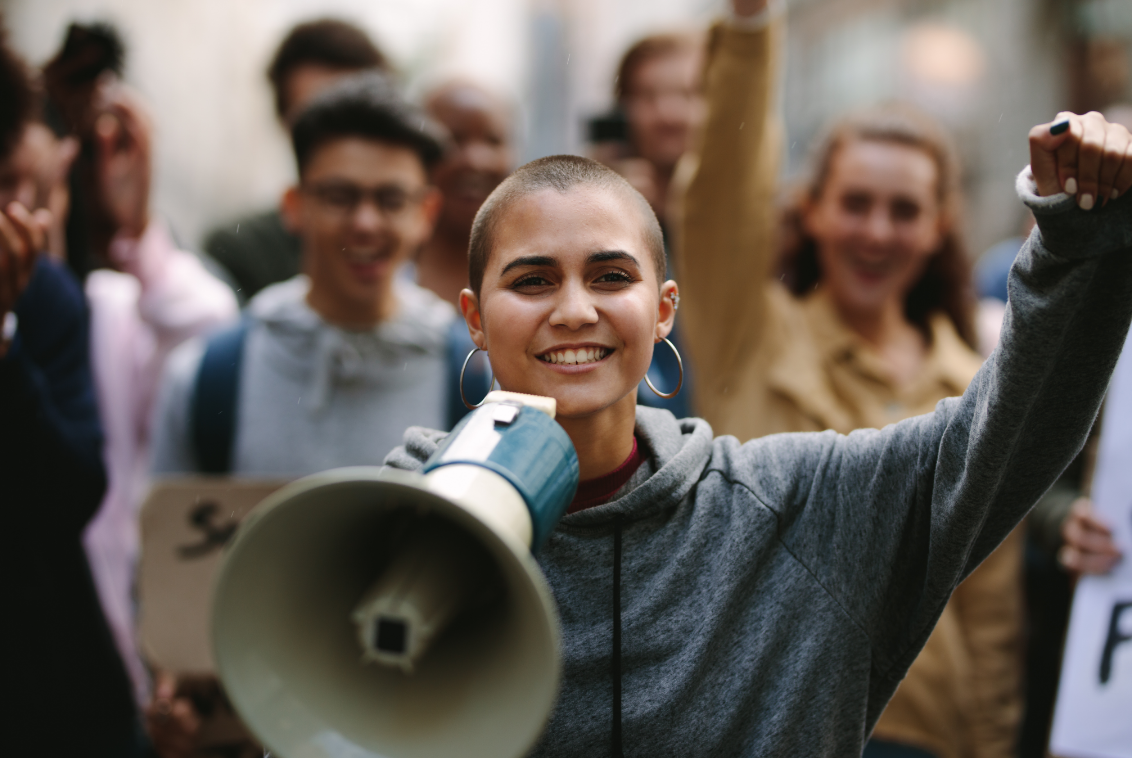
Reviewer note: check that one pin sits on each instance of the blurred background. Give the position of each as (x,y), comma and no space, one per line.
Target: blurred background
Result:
(989,68)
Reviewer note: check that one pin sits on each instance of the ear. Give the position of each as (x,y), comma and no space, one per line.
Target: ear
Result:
(291,208)
(431,207)
(666,311)
(470,307)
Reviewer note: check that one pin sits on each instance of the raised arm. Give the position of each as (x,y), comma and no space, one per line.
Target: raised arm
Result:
(891,521)
(726,218)
(179,298)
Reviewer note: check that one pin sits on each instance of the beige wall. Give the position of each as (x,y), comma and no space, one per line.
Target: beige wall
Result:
(200,65)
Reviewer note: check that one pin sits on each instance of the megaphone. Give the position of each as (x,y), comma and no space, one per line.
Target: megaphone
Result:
(375,613)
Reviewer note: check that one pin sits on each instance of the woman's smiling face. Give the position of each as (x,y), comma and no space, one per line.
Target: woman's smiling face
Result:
(570,305)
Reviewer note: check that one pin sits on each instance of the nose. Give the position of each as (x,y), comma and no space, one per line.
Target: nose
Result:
(879,227)
(367,218)
(574,308)
(673,106)
(479,155)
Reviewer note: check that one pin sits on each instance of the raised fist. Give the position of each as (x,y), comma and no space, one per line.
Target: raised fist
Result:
(1085,156)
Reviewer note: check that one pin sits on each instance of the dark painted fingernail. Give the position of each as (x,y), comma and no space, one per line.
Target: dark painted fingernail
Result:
(1059,128)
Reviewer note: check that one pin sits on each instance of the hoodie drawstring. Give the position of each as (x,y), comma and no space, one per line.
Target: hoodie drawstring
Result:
(616,657)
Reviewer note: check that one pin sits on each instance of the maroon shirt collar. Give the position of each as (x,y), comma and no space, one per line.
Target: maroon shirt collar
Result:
(597,491)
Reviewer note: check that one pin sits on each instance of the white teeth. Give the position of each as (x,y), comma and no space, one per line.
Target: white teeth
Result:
(355,256)
(574,357)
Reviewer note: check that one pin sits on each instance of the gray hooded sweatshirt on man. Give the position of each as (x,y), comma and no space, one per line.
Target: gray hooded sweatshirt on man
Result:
(312,395)
(773,594)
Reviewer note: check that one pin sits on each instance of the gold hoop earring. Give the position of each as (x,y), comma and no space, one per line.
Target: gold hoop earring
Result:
(491,386)
(679,383)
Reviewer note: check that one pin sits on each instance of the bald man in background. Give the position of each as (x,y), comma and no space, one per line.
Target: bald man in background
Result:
(479,157)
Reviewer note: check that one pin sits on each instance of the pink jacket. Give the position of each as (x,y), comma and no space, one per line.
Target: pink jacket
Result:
(158,297)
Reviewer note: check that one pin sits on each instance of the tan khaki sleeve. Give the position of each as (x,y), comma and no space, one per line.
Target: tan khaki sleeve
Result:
(989,603)
(725,217)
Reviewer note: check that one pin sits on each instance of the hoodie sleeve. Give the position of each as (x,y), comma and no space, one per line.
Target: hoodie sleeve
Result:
(891,521)
(179,297)
(417,445)
(51,439)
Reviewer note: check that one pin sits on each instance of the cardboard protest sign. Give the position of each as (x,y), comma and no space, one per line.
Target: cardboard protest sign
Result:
(185,524)
(1093,717)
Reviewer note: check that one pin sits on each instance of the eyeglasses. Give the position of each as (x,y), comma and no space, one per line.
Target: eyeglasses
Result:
(344,198)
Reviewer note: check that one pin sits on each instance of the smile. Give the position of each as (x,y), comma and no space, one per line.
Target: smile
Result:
(575,356)
(363,258)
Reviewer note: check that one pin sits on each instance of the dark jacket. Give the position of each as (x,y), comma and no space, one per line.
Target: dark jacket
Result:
(68,694)
(256,251)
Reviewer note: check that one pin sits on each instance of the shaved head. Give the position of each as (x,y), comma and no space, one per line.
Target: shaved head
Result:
(561,173)
(464,95)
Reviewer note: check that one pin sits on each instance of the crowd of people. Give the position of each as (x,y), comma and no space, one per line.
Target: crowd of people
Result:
(312,335)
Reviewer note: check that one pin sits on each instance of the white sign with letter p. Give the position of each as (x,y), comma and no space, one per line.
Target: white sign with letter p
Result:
(1093,718)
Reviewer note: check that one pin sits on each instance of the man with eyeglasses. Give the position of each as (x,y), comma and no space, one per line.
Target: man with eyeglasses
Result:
(326,369)
(332,365)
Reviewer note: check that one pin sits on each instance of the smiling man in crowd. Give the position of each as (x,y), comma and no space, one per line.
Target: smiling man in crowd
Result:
(327,369)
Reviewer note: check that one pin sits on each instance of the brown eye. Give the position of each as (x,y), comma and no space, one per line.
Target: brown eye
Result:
(339,196)
(905,210)
(614,277)
(528,282)
(856,203)
(391,199)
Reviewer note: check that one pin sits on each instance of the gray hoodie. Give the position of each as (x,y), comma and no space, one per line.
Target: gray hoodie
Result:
(766,598)
(313,396)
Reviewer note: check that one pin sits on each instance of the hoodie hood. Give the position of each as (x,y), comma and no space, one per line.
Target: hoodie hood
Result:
(421,316)
(323,356)
(679,451)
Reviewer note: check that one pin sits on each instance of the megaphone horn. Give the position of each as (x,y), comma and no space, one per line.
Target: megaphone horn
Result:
(371,612)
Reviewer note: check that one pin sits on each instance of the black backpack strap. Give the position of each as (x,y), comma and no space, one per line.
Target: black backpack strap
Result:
(212,416)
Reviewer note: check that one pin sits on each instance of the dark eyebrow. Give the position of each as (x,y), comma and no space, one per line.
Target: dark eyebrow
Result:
(530,260)
(612,255)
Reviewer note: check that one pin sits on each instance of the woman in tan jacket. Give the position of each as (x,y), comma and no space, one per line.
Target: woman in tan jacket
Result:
(869,322)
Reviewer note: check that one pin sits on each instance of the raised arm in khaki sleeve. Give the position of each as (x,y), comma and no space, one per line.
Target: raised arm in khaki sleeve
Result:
(726,218)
